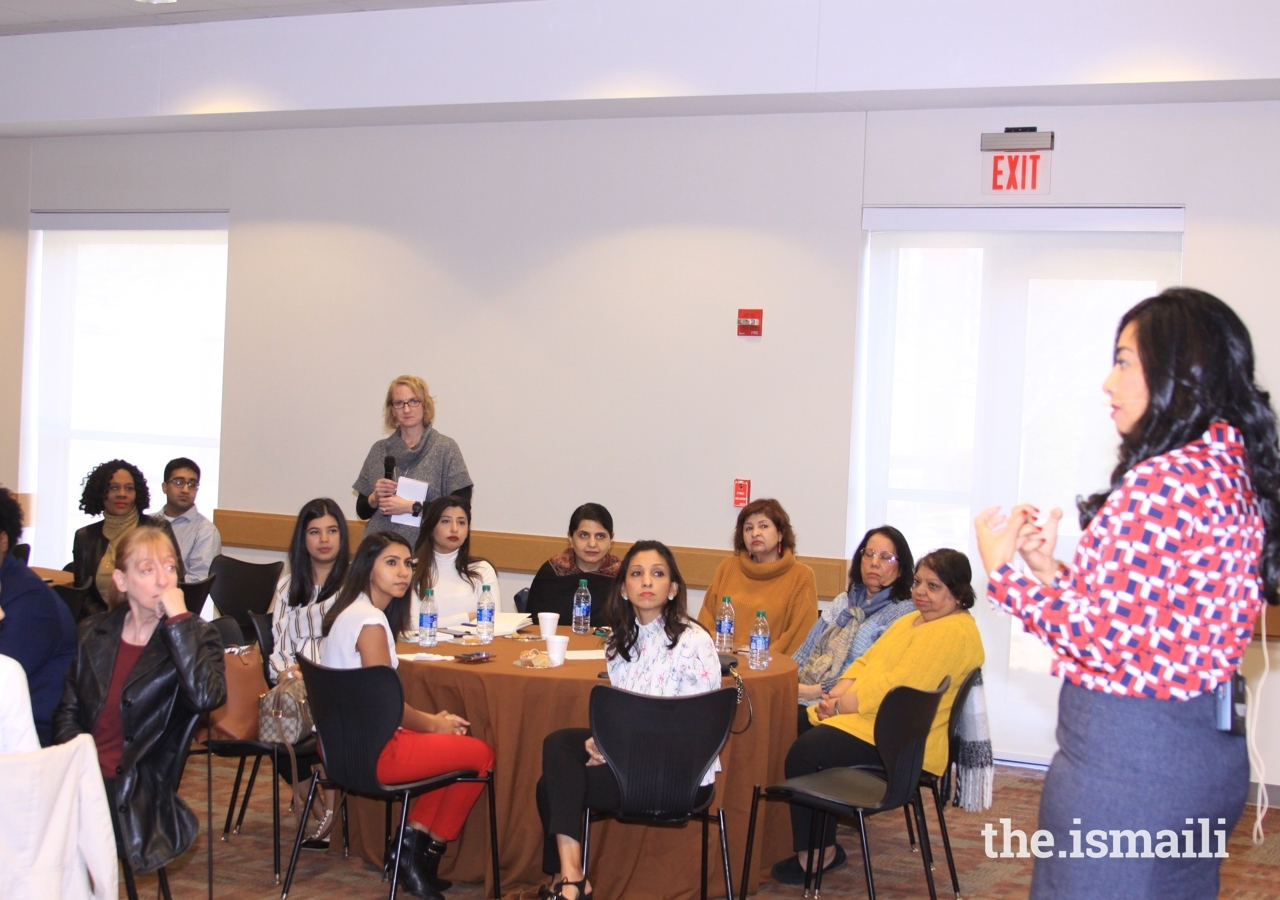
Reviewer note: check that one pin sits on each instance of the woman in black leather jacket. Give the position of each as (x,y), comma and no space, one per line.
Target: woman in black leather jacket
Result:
(142,675)
(117,491)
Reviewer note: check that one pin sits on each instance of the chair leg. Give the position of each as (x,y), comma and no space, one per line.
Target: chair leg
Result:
(751,836)
(813,839)
(248,789)
(822,855)
(926,853)
(946,840)
(130,887)
(275,810)
(164,884)
(395,864)
(493,839)
(297,842)
(346,834)
(586,841)
(911,832)
(706,826)
(724,857)
(386,846)
(866,855)
(235,792)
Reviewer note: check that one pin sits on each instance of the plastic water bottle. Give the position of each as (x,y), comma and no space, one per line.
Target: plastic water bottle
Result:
(759,658)
(724,626)
(484,616)
(582,608)
(427,618)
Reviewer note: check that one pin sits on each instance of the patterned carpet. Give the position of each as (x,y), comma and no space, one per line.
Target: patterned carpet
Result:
(242,867)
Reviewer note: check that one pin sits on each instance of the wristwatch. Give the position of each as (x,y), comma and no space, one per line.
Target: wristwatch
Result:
(417,509)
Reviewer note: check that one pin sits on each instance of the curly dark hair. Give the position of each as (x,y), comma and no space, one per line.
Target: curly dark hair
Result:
(1197,359)
(93,500)
(10,517)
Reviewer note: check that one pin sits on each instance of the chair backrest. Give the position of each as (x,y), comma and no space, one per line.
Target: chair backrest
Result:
(194,593)
(229,631)
(953,727)
(356,712)
(242,587)
(660,747)
(521,599)
(22,551)
(902,726)
(74,597)
(266,640)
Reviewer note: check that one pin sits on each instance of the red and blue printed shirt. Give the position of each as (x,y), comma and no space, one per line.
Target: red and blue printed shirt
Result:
(1161,597)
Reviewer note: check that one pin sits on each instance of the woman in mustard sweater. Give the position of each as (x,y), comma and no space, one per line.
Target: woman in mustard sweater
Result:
(939,639)
(763,574)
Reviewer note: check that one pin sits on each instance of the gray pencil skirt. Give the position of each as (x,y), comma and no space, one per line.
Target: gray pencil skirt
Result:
(1140,799)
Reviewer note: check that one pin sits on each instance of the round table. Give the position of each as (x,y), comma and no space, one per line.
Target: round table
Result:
(514,708)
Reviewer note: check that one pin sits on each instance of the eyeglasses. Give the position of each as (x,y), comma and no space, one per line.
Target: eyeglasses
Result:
(883,557)
(412,403)
(185,483)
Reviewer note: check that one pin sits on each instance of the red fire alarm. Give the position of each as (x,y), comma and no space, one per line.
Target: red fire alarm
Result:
(741,492)
(750,322)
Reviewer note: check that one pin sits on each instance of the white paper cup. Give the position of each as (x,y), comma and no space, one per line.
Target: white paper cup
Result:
(547,623)
(557,645)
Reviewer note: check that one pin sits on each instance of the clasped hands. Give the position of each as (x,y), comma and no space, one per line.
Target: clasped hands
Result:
(385,499)
(445,722)
(1000,536)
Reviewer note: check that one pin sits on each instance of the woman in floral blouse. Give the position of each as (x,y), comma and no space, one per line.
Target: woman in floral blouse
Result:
(1155,611)
(655,649)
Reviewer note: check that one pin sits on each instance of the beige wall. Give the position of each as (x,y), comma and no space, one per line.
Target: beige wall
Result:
(15,169)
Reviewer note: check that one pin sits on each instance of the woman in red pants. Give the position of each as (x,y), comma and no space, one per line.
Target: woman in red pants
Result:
(360,631)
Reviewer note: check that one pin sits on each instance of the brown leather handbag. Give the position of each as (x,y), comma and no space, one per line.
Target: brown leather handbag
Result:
(237,719)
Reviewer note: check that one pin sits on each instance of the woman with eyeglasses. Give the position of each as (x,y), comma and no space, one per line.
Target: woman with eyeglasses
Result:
(879,586)
(418,451)
(116,490)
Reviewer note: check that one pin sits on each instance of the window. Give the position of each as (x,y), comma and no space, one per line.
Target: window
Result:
(124,345)
(982,358)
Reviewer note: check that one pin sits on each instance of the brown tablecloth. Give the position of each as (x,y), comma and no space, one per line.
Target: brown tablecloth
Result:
(514,708)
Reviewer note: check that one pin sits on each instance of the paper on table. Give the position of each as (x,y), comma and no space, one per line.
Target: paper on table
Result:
(415,491)
(503,623)
(584,654)
(423,657)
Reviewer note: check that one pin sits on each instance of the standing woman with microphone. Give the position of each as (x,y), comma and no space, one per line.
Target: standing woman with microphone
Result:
(1156,609)
(413,450)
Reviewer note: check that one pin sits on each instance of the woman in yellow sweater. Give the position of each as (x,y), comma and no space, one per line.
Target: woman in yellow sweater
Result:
(939,639)
(763,574)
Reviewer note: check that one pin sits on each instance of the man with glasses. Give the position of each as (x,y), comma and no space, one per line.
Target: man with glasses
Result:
(198,538)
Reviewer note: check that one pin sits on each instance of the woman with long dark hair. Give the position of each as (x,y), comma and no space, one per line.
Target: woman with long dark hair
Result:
(318,557)
(360,632)
(655,649)
(445,564)
(1157,607)
(879,586)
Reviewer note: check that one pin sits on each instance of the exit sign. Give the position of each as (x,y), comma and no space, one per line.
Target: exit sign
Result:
(1014,172)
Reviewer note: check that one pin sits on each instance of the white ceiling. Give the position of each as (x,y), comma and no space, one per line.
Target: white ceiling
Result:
(35,16)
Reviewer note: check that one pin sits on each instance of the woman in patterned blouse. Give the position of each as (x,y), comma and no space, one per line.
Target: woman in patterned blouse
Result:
(655,649)
(1155,611)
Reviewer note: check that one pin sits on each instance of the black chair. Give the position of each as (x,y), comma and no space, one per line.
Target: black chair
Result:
(902,726)
(521,600)
(244,750)
(74,597)
(356,712)
(660,748)
(242,588)
(22,551)
(943,786)
(195,592)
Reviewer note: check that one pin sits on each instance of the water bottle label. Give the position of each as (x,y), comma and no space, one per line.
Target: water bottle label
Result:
(724,626)
(484,615)
(760,643)
(582,609)
(427,620)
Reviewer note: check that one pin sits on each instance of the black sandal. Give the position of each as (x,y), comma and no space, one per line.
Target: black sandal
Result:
(583,893)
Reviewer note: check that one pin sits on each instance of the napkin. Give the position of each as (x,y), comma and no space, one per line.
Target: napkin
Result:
(423,657)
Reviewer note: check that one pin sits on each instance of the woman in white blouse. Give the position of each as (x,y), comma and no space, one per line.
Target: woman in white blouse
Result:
(371,608)
(445,563)
(318,555)
(655,649)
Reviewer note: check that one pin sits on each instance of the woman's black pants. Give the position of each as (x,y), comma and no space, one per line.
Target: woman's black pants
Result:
(823,747)
(568,786)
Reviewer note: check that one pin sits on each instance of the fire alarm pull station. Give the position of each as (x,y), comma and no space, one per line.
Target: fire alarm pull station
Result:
(750,322)
(741,492)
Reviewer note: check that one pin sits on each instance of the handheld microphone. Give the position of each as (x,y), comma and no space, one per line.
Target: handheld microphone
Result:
(389,468)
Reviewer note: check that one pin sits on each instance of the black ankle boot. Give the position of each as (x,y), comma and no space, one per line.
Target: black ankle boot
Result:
(413,877)
(429,852)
